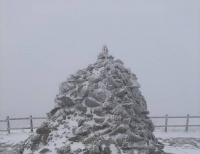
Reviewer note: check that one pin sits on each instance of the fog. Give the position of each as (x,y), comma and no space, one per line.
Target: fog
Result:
(43,41)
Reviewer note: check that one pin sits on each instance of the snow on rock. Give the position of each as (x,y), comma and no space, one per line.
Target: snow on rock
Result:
(99,110)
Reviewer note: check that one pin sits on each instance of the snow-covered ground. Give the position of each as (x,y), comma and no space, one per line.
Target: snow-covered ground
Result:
(10,142)
(14,137)
(175,142)
(180,142)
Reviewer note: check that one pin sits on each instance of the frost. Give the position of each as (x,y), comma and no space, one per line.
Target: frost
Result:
(99,109)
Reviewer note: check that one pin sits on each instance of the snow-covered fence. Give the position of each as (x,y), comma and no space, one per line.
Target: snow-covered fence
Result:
(155,117)
(176,117)
(29,118)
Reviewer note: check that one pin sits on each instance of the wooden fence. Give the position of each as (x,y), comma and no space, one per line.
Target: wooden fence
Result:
(176,117)
(31,123)
(161,117)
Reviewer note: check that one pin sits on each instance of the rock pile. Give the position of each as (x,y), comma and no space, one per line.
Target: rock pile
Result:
(99,110)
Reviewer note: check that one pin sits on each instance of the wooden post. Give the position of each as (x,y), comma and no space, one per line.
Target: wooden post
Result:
(31,123)
(187,122)
(8,124)
(166,121)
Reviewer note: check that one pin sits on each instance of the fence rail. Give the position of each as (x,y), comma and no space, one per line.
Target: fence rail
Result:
(159,117)
(175,117)
(8,119)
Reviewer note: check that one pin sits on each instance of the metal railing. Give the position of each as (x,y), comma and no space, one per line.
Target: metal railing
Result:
(159,117)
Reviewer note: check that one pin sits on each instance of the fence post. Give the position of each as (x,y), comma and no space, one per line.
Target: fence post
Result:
(31,123)
(187,122)
(8,124)
(166,121)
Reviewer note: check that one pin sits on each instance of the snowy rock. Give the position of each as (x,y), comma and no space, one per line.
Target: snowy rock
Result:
(82,131)
(99,120)
(99,112)
(94,150)
(101,109)
(118,61)
(64,150)
(54,110)
(90,67)
(99,96)
(114,82)
(66,101)
(36,139)
(120,129)
(44,151)
(43,130)
(145,112)
(99,127)
(81,108)
(80,122)
(77,151)
(89,102)
(75,138)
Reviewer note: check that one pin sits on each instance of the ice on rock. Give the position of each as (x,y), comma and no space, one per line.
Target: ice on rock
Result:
(98,110)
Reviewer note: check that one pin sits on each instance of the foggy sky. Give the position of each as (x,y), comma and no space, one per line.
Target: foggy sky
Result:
(42,42)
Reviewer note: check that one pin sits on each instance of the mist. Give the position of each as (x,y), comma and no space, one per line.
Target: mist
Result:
(43,42)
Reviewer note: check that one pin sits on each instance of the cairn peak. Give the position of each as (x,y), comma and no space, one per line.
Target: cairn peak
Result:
(99,110)
(104,48)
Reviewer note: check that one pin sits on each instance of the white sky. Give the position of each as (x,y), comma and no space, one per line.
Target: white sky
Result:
(43,41)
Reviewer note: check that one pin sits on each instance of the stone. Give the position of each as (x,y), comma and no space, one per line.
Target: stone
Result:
(114,82)
(77,151)
(42,130)
(36,139)
(99,112)
(44,138)
(83,93)
(64,150)
(81,108)
(89,102)
(121,129)
(126,121)
(54,110)
(68,112)
(120,113)
(145,112)
(94,150)
(33,146)
(106,147)
(106,131)
(63,88)
(105,49)
(99,120)
(44,151)
(99,127)
(159,145)
(86,152)
(99,96)
(90,67)
(134,138)
(119,62)
(90,140)
(83,130)
(120,139)
(75,139)
(80,122)
(120,93)
(67,101)
(109,105)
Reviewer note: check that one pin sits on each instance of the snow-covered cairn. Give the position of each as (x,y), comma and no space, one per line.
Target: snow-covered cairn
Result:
(99,110)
